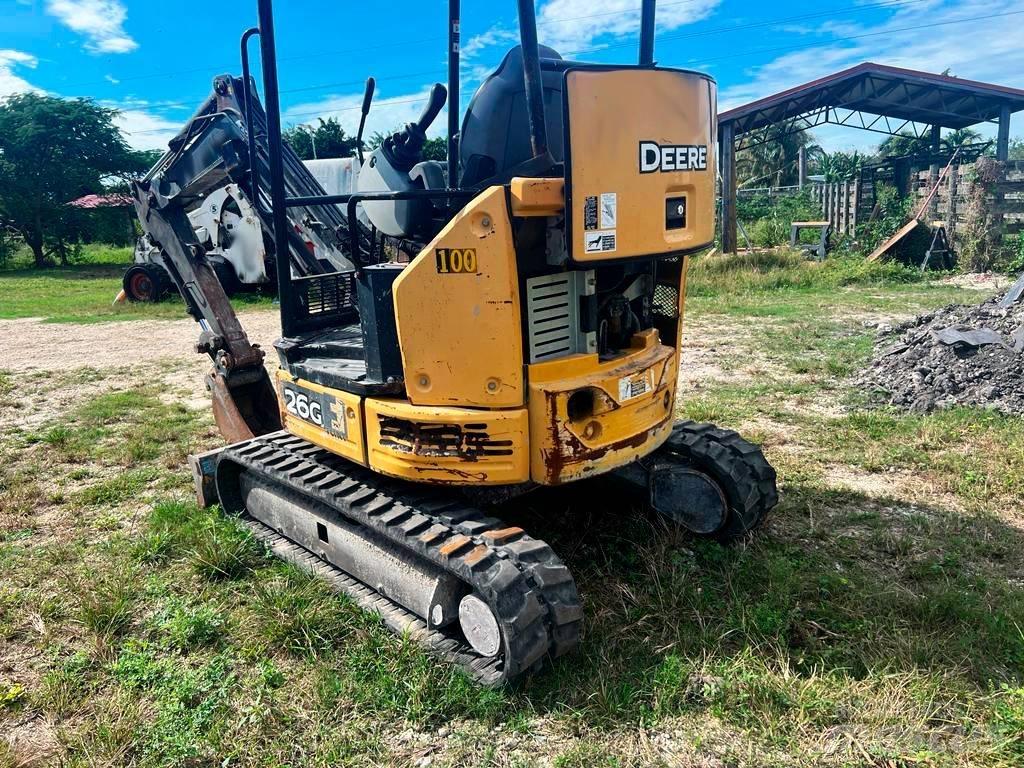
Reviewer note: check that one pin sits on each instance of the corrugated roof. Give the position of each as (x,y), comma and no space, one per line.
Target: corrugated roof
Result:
(906,94)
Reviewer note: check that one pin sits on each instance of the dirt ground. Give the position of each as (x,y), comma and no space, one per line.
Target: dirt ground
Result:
(33,345)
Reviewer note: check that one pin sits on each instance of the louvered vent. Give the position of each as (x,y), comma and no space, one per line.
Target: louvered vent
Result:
(553,308)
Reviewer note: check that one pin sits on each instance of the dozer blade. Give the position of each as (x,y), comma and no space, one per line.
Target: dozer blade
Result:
(470,589)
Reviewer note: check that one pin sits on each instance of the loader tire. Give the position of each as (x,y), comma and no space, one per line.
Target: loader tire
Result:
(739,468)
(143,283)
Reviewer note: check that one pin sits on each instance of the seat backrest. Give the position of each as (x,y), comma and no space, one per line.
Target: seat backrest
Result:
(496,130)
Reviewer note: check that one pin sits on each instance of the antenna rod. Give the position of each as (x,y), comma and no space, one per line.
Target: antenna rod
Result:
(647,33)
(454,109)
(532,79)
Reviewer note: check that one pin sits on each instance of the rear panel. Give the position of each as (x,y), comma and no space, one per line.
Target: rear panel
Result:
(640,166)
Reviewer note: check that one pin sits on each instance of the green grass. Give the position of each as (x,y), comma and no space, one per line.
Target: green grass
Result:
(85,292)
(855,629)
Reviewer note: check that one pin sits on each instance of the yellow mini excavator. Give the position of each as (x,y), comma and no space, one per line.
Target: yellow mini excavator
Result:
(511,320)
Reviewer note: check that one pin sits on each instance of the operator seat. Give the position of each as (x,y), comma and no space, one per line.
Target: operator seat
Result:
(495,135)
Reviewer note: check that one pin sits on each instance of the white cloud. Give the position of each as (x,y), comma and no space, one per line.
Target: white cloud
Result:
(143,129)
(10,81)
(577,26)
(569,26)
(386,113)
(902,42)
(101,22)
(494,36)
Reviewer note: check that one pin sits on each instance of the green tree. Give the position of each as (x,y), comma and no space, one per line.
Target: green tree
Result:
(327,139)
(959,138)
(904,144)
(52,151)
(773,163)
(839,166)
(433,149)
(1017,149)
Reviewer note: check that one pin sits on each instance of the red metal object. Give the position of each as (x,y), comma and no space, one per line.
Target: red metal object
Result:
(91,202)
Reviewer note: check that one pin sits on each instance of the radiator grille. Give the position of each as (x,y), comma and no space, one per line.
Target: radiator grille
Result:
(469,441)
(330,294)
(553,307)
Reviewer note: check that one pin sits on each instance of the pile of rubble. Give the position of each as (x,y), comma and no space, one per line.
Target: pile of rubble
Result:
(957,355)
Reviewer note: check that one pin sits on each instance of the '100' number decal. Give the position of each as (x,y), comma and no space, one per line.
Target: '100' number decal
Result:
(301,405)
(456,261)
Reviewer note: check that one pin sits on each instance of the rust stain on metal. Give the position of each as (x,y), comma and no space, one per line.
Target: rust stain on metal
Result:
(432,534)
(455,544)
(479,553)
(502,535)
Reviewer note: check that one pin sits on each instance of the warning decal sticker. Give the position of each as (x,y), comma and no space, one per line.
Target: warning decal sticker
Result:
(636,385)
(602,241)
(590,212)
(609,206)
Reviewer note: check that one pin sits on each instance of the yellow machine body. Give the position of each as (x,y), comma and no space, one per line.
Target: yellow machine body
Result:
(477,410)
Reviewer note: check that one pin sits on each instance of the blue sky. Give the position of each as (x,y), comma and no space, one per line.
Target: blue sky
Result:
(154,60)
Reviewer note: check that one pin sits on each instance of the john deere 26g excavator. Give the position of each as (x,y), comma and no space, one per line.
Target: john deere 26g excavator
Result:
(512,321)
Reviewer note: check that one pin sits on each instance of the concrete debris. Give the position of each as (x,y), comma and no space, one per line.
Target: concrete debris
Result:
(1013,295)
(957,355)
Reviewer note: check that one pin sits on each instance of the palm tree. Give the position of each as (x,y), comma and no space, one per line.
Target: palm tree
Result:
(774,161)
(959,138)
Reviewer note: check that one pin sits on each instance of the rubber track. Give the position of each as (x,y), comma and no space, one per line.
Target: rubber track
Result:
(737,465)
(530,590)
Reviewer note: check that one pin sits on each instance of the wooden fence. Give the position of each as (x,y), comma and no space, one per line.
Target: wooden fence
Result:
(840,204)
(1003,202)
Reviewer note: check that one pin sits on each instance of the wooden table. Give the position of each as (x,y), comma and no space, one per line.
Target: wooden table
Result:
(824,230)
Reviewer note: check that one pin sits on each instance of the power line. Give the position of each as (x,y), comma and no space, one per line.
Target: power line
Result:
(915,27)
(701,33)
(391,44)
(759,24)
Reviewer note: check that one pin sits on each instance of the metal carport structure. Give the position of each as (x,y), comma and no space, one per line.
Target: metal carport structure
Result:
(871,97)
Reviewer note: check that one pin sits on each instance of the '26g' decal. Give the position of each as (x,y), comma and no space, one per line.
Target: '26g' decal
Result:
(301,405)
(456,261)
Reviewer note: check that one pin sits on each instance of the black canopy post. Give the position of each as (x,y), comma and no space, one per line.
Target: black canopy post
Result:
(454,12)
(727,150)
(532,79)
(1003,134)
(647,33)
(268,57)
(254,171)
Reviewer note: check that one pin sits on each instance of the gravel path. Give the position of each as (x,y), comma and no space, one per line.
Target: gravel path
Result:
(32,345)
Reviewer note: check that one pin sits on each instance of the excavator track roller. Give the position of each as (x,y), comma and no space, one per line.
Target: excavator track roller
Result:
(417,556)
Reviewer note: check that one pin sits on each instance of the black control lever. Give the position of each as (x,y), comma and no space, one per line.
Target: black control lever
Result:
(405,148)
(435,102)
(367,98)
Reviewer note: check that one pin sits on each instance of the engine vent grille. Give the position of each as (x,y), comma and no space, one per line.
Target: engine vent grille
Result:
(553,308)
(469,441)
(330,294)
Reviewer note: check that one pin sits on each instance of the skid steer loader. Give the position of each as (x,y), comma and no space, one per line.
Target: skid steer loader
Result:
(512,321)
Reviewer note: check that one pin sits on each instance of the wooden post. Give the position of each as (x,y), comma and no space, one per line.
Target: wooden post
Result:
(951,191)
(933,169)
(856,205)
(1003,134)
(846,208)
(727,148)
